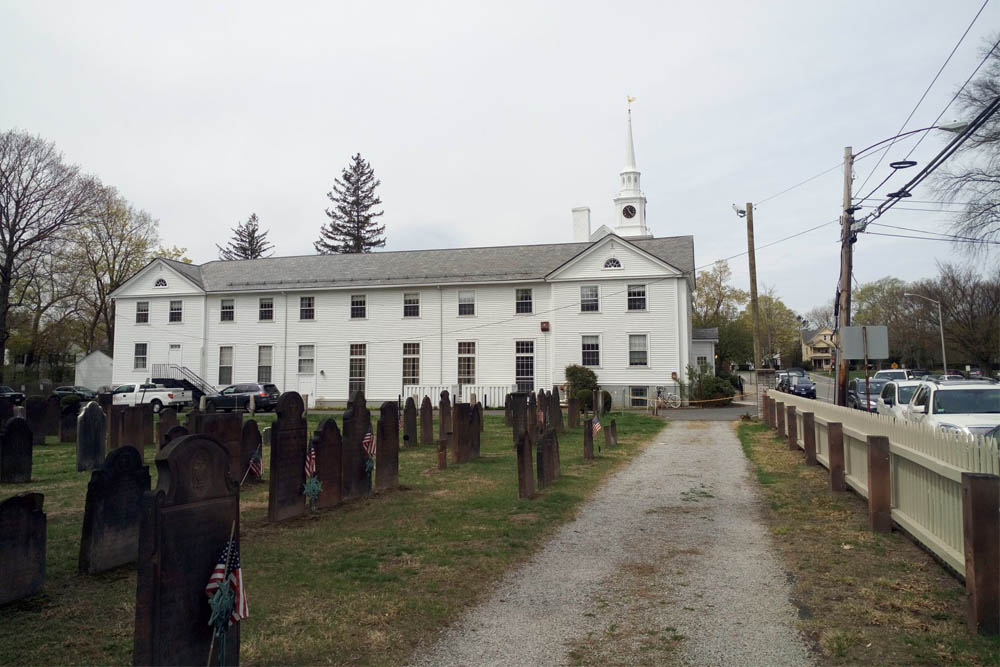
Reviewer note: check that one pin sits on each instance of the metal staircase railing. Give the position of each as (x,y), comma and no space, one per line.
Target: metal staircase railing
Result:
(178,372)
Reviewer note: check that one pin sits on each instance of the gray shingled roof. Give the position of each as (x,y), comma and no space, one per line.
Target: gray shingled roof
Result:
(705,334)
(524,262)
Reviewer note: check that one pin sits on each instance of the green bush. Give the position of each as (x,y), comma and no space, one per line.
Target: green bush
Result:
(710,390)
(585,398)
(70,400)
(581,382)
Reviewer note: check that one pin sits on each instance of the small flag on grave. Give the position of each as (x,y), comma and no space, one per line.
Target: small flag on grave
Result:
(311,462)
(257,463)
(368,445)
(312,487)
(226,596)
(597,425)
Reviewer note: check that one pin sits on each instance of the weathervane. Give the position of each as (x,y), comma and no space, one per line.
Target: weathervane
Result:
(628,101)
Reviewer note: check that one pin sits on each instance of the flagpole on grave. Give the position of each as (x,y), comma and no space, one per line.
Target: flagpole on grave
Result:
(225,582)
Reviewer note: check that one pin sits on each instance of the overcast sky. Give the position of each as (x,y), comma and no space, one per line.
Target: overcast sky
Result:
(487,123)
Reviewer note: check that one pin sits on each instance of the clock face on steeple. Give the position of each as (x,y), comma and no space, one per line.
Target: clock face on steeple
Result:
(629,211)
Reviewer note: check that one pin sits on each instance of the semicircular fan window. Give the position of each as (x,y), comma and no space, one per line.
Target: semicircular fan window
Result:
(612,263)
(160,282)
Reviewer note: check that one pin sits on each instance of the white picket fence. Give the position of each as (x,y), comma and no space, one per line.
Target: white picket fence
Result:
(926,468)
(490,395)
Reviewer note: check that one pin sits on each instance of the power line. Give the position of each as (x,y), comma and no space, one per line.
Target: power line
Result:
(800,183)
(768,245)
(926,231)
(930,238)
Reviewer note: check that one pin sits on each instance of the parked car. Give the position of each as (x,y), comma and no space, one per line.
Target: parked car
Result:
(154,394)
(237,397)
(84,393)
(918,373)
(893,374)
(966,406)
(16,397)
(975,373)
(895,396)
(801,386)
(801,372)
(858,397)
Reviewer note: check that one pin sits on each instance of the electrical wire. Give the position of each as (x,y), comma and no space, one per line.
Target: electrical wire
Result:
(926,231)
(800,183)
(929,238)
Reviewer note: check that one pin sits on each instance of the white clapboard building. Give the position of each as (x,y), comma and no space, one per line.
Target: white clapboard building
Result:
(482,320)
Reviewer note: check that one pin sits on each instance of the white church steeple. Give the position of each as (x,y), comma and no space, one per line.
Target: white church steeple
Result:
(630,204)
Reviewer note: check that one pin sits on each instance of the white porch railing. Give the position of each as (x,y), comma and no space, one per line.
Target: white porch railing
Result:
(490,395)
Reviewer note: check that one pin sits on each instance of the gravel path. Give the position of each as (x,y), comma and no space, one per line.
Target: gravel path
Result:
(669,562)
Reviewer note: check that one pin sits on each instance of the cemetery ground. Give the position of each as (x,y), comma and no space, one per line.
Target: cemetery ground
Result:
(863,597)
(363,583)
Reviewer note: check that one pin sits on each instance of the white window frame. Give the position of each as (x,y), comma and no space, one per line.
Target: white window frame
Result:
(138,312)
(460,304)
(417,304)
(261,309)
(231,366)
(413,380)
(223,310)
(353,379)
(701,362)
(300,359)
(642,398)
(460,355)
(605,267)
(629,297)
(136,356)
(363,306)
(530,301)
(628,349)
(311,308)
(157,284)
(269,366)
(598,288)
(517,356)
(600,350)
(171,311)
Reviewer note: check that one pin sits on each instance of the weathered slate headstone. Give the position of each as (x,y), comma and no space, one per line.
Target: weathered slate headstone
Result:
(532,415)
(545,457)
(167,420)
(105,400)
(227,428)
(613,428)
(116,425)
(250,446)
(16,450)
(387,451)
(22,546)
(174,433)
(588,439)
(133,432)
(186,523)
(410,423)
(357,422)
(461,437)
(609,440)
(329,458)
(53,413)
(112,512)
(555,409)
(444,417)
(476,428)
(508,417)
(543,408)
(90,437)
(67,422)
(573,412)
(288,457)
(194,416)
(426,422)
(34,411)
(148,437)
(518,404)
(442,452)
(597,403)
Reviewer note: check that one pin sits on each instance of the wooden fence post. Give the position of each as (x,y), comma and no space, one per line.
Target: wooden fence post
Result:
(809,437)
(774,413)
(835,440)
(981,528)
(793,429)
(879,491)
(767,409)
(780,411)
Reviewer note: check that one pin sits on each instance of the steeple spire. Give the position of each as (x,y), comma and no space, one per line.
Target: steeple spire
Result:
(630,202)
(629,148)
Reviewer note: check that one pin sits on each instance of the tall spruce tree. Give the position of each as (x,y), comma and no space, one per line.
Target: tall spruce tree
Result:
(248,242)
(353,225)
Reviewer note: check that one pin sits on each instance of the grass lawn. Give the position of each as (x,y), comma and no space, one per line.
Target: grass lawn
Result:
(863,597)
(361,584)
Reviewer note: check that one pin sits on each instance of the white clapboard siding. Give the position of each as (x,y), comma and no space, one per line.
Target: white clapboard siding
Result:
(926,467)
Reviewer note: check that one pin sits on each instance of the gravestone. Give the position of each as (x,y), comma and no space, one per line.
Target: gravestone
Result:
(16,450)
(357,422)
(34,413)
(597,403)
(410,423)
(472,398)
(613,429)
(53,413)
(90,433)
(67,422)
(227,428)
(573,412)
(19,412)
(442,452)
(250,445)
(387,451)
(167,420)
(426,422)
(174,433)
(288,458)
(542,401)
(461,437)
(186,523)
(476,428)
(507,414)
(609,440)
(116,425)
(329,457)
(532,415)
(555,409)
(112,512)
(133,430)
(22,546)
(105,400)
(588,439)
(518,404)
(444,417)
(194,418)
(6,409)
(545,458)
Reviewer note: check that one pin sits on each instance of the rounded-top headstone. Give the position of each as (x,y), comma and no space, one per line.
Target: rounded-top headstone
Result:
(193,468)
(291,406)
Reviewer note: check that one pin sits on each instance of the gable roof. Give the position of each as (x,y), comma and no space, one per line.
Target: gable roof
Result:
(809,334)
(409,267)
(705,334)
(635,243)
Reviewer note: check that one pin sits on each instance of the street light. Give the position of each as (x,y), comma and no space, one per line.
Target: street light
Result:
(944,359)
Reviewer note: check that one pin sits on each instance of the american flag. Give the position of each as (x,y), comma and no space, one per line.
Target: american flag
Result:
(257,463)
(597,426)
(231,556)
(311,462)
(368,444)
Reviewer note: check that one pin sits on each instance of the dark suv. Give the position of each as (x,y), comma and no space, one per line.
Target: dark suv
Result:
(16,397)
(84,393)
(237,397)
(857,397)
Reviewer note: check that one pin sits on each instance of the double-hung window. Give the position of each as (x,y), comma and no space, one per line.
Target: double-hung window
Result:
(265,357)
(522,301)
(637,297)
(139,360)
(411,304)
(142,312)
(176,311)
(590,351)
(589,299)
(307,308)
(266,309)
(638,350)
(227,310)
(524,365)
(226,365)
(467,302)
(359,306)
(356,369)
(411,363)
(307,358)
(466,363)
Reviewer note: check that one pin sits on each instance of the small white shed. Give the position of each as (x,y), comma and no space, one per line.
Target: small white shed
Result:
(94,371)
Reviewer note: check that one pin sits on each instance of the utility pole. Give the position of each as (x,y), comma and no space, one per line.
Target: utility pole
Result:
(846,267)
(753,292)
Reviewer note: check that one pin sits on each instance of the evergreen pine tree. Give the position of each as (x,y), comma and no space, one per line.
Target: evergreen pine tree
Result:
(248,242)
(353,226)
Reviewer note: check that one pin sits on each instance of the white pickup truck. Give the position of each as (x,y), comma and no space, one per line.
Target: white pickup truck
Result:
(155,394)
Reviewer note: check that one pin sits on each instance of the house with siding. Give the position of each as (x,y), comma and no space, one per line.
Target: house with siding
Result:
(489,320)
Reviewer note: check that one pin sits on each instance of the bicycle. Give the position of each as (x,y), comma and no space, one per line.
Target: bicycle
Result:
(668,400)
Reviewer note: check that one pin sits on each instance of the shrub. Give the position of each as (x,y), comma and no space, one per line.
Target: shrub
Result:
(581,382)
(70,400)
(711,390)
(585,398)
